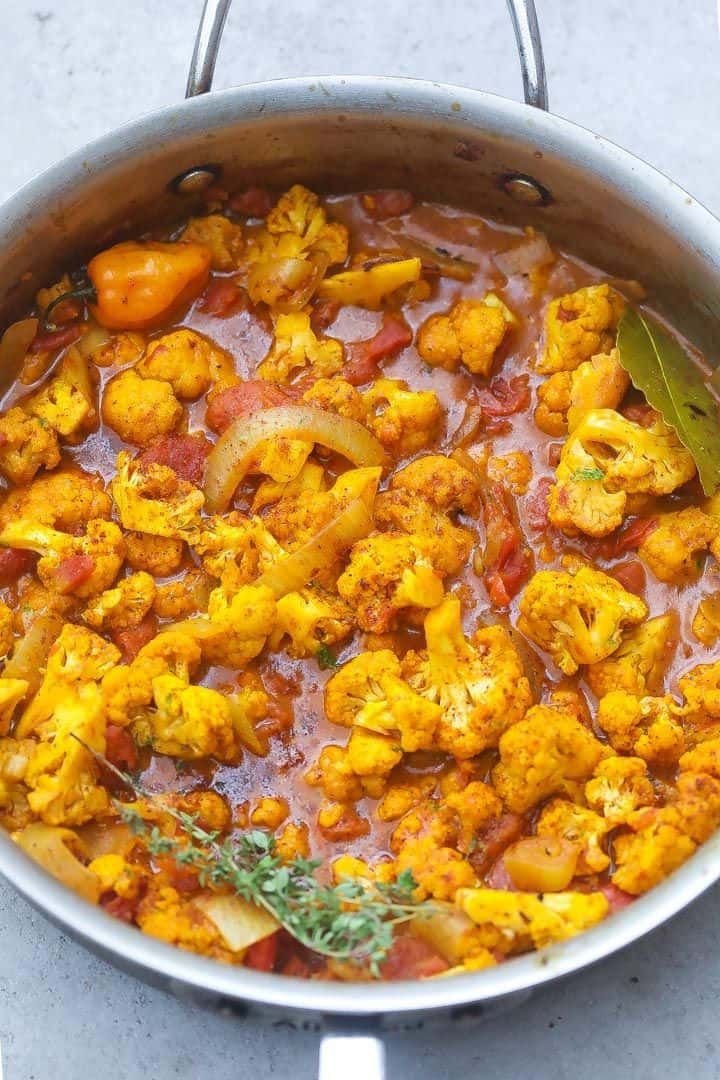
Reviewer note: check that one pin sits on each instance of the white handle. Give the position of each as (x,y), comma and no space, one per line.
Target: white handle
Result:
(351,1057)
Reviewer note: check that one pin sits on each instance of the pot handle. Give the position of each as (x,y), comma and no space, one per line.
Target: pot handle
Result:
(351,1057)
(522,13)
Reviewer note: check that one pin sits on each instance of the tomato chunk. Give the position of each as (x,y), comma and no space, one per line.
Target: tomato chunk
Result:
(389,203)
(120,749)
(507,562)
(252,202)
(120,907)
(616,898)
(242,400)
(631,576)
(630,538)
(184,454)
(262,955)
(365,356)
(73,572)
(221,298)
(13,564)
(503,398)
(411,958)
(52,340)
(131,641)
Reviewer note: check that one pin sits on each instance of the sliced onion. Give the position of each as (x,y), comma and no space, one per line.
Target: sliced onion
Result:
(95,338)
(240,922)
(51,847)
(448,932)
(15,343)
(232,455)
(525,256)
(296,569)
(31,652)
(245,731)
(100,840)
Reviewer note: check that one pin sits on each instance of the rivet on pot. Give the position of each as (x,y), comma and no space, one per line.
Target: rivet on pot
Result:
(193,181)
(524,189)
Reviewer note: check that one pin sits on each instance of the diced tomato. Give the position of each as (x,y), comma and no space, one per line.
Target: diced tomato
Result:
(498,877)
(120,749)
(221,298)
(324,313)
(120,907)
(349,827)
(13,564)
(630,538)
(131,641)
(53,340)
(262,955)
(182,878)
(503,398)
(242,400)
(493,840)
(411,958)
(73,572)
(365,356)
(296,966)
(617,898)
(252,202)
(184,454)
(536,505)
(631,576)
(507,562)
(640,413)
(389,203)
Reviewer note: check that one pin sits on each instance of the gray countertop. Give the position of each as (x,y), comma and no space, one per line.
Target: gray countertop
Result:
(645,73)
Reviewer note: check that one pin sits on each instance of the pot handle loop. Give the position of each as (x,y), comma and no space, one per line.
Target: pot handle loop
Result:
(522,13)
(351,1057)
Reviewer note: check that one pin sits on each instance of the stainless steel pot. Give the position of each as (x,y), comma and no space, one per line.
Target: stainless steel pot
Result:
(516,162)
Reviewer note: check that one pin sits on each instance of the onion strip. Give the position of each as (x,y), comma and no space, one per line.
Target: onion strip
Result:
(15,343)
(30,654)
(232,455)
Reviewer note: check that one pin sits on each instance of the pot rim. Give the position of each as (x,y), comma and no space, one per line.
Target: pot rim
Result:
(391,96)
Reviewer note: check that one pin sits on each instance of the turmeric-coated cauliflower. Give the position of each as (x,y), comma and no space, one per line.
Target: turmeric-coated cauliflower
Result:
(295,346)
(235,549)
(547,753)
(619,786)
(12,692)
(238,625)
(564,820)
(403,420)
(187,722)
(479,685)
(157,555)
(578,326)
(128,688)
(140,410)
(82,565)
(311,618)
(369,692)
(639,663)
(577,617)
(647,727)
(335,774)
(369,286)
(706,620)
(66,499)
(514,922)
(337,396)
(27,444)
(675,550)
(223,237)
(470,333)
(645,858)
(124,606)
(67,402)
(151,498)
(186,360)
(568,396)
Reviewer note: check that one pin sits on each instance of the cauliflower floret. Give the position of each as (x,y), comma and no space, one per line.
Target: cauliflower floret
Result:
(152,499)
(402,795)
(185,595)
(67,402)
(120,350)
(238,625)
(223,237)
(124,606)
(706,620)
(578,500)
(476,805)
(644,726)
(270,812)
(703,758)
(645,858)
(311,618)
(578,326)
(696,807)
(7,638)
(470,333)
(701,689)
(440,480)
(336,776)
(546,753)
(84,565)
(369,692)
(293,842)
(311,478)
(66,500)
(298,212)
(479,685)
(620,785)
(514,470)
(236,549)
(675,550)
(128,689)
(294,521)
(117,875)
(296,346)
(567,396)
(386,574)
(186,360)
(369,286)
(372,754)
(158,555)
(515,922)
(12,692)
(15,755)
(165,915)
(337,396)
(27,444)
(140,410)
(638,665)
(439,871)
(563,820)
(187,722)
(577,617)
(403,420)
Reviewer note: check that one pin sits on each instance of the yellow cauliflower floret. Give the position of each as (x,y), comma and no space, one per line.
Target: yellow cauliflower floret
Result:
(703,758)
(157,555)
(476,804)
(514,470)
(563,820)
(295,346)
(470,333)
(644,726)
(128,689)
(706,620)
(402,795)
(695,809)
(568,396)
(117,875)
(337,396)
(186,360)
(102,543)
(223,237)
(403,420)
(140,410)
(479,685)
(66,500)
(235,549)
(578,326)
(185,595)
(124,606)
(120,350)
(238,625)
(701,689)
(334,773)
(269,812)
(515,922)
(12,692)
(675,550)
(577,617)
(638,665)
(15,755)
(67,402)
(299,518)
(620,785)
(311,478)
(293,842)
(151,498)
(578,501)
(439,871)
(646,858)
(386,574)
(546,753)
(369,287)
(311,618)
(298,212)
(187,722)
(369,692)
(7,638)
(372,754)
(27,444)
(163,914)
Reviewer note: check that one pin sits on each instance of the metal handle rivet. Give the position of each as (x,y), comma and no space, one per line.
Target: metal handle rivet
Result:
(524,189)
(195,180)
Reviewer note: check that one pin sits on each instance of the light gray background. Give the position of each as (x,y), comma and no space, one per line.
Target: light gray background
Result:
(645,73)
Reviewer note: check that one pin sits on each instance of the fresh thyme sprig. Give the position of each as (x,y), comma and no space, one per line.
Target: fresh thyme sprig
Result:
(352,920)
